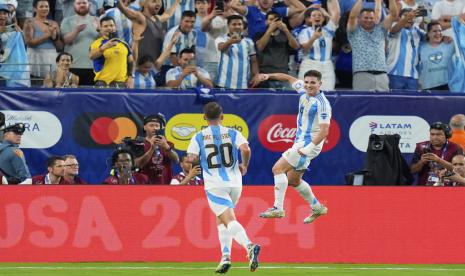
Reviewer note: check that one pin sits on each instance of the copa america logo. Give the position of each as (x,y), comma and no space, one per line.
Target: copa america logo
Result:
(278,133)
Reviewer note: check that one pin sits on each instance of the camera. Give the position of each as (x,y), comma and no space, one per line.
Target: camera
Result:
(160,132)
(219,5)
(449,173)
(422,11)
(112,35)
(135,145)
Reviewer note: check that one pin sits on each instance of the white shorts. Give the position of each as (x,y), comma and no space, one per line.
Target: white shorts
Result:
(297,161)
(220,199)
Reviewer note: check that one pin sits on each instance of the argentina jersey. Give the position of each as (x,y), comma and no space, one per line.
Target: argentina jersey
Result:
(322,47)
(123,24)
(218,151)
(184,5)
(184,40)
(313,111)
(403,57)
(234,68)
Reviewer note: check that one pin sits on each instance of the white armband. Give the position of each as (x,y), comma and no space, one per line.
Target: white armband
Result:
(308,148)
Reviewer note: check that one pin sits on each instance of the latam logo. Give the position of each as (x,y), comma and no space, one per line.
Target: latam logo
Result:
(102,130)
(277,133)
(412,129)
(43,129)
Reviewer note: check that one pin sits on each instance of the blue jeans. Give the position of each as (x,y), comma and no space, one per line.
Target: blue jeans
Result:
(399,82)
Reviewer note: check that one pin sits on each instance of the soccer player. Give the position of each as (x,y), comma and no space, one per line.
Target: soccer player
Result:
(217,148)
(312,128)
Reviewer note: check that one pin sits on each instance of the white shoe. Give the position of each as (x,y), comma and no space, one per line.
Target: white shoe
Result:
(224,265)
(273,212)
(316,212)
(253,251)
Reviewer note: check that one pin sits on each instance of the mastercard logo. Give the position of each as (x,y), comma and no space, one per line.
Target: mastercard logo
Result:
(98,130)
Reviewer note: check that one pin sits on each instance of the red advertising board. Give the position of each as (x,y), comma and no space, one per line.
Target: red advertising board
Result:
(143,223)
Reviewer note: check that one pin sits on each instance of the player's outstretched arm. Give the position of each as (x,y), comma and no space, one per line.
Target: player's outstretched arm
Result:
(246,153)
(276,76)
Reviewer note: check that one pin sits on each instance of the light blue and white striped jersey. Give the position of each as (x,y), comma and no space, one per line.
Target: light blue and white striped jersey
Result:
(313,111)
(144,82)
(190,81)
(123,24)
(184,5)
(218,151)
(184,40)
(403,52)
(234,68)
(322,47)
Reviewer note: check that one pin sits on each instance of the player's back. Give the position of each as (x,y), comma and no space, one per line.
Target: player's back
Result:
(218,150)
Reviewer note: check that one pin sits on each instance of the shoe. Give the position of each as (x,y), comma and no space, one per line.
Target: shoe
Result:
(224,265)
(253,250)
(316,212)
(273,212)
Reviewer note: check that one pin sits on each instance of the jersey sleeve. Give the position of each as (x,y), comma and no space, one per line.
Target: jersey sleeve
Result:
(194,147)
(324,112)
(240,139)
(299,86)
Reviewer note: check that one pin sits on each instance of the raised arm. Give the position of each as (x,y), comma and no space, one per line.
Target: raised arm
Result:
(354,13)
(334,11)
(295,6)
(131,14)
(238,7)
(392,16)
(170,12)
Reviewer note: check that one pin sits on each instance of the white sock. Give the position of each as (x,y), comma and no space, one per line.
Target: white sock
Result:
(280,186)
(305,191)
(238,233)
(225,238)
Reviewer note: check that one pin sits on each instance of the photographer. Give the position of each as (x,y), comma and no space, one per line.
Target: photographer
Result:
(12,162)
(455,177)
(122,162)
(155,163)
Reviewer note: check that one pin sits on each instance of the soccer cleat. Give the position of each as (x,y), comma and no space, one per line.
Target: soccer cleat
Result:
(253,250)
(316,212)
(224,265)
(273,212)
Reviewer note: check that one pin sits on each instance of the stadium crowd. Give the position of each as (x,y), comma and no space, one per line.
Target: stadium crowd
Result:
(376,45)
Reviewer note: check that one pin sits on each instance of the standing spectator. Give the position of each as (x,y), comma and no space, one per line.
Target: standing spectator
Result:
(62,76)
(367,38)
(433,155)
(189,174)
(122,162)
(79,31)
(457,77)
(71,174)
(42,37)
(95,7)
(238,57)
(435,59)
(187,74)
(12,161)
(55,174)
(413,5)
(274,48)
(155,163)
(180,8)
(403,52)
(443,11)
(188,36)
(256,14)
(317,43)
(457,125)
(113,61)
(123,23)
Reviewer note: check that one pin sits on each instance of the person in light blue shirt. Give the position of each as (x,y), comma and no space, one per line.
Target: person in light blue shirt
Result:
(187,74)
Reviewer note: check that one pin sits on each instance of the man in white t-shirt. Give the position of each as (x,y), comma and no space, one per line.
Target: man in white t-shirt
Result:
(217,148)
(444,10)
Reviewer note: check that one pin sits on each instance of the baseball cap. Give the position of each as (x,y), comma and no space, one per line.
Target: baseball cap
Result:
(158,118)
(17,128)
(4,7)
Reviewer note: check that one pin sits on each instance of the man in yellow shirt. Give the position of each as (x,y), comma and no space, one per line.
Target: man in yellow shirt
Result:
(112,57)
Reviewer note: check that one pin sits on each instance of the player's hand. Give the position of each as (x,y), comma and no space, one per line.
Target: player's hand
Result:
(243,169)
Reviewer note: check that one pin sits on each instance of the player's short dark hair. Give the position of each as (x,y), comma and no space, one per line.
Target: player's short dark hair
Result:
(188,14)
(313,73)
(116,153)
(186,51)
(52,160)
(212,111)
(234,17)
(106,18)
(63,54)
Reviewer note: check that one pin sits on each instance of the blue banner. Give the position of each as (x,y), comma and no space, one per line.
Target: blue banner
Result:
(89,123)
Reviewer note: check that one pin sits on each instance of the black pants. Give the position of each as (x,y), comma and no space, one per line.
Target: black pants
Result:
(86,76)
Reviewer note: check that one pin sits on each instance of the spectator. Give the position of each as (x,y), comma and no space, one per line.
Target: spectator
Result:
(317,43)
(123,169)
(56,172)
(42,37)
(457,77)
(155,163)
(71,174)
(457,125)
(62,76)
(95,7)
(237,56)
(274,48)
(12,161)
(403,47)
(187,38)
(148,27)
(180,8)
(113,61)
(367,38)
(189,174)
(187,74)
(79,31)
(123,23)
(435,59)
(443,11)
(24,11)
(458,176)
(256,14)
(414,6)
(433,155)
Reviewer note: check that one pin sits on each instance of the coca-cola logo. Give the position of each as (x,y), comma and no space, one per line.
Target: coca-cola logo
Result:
(277,133)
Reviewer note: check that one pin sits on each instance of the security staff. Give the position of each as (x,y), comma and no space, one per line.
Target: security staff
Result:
(12,162)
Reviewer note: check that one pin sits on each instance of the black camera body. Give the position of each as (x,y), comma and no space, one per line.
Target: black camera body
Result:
(160,132)
(135,145)
(2,119)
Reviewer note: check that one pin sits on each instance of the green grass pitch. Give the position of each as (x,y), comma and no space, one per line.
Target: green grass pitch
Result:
(268,269)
